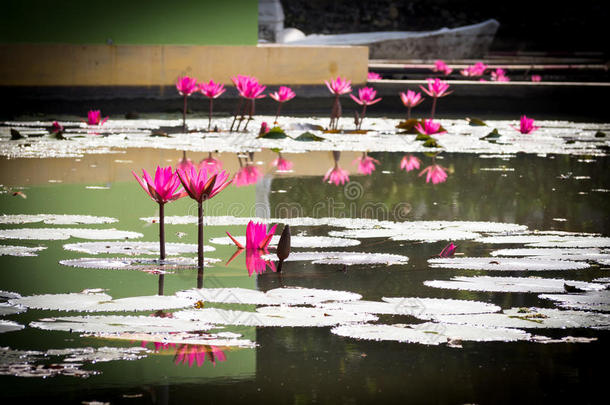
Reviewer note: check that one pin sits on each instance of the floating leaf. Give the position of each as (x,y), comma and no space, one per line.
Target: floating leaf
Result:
(274,316)
(7,250)
(53,219)
(511,284)
(550,240)
(493,134)
(134,248)
(308,137)
(475,122)
(557,253)
(66,233)
(589,301)
(222,339)
(430,333)
(274,133)
(150,265)
(414,305)
(505,264)
(346,258)
(100,302)
(9,326)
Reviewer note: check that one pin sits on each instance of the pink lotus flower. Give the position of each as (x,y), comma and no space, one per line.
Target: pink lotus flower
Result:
(249,89)
(441,66)
(436,89)
(210,164)
(410,99)
(435,174)
(373,76)
(186,85)
(211,89)
(264,128)
(56,127)
(94,117)
(478,69)
(499,76)
(448,251)
(430,127)
(247,175)
(336,175)
(281,96)
(200,185)
(366,164)
(409,162)
(526,125)
(536,78)
(366,96)
(339,86)
(164,187)
(281,164)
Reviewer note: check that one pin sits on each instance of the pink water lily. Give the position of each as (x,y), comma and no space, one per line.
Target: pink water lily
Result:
(409,162)
(164,188)
(373,76)
(281,96)
(441,66)
(430,127)
(186,86)
(211,90)
(448,251)
(410,99)
(258,237)
(366,164)
(56,127)
(536,78)
(526,125)
(337,87)
(499,76)
(478,69)
(436,89)
(366,97)
(249,90)
(94,117)
(435,174)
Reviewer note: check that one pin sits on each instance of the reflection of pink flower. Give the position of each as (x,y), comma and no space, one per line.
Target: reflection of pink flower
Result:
(211,89)
(339,86)
(186,85)
(366,96)
(448,251)
(189,354)
(255,262)
(435,174)
(336,175)
(536,78)
(499,76)
(184,163)
(281,164)
(247,175)
(373,76)
(94,117)
(366,164)
(211,165)
(257,241)
(164,187)
(526,125)
(409,162)
(430,128)
(441,66)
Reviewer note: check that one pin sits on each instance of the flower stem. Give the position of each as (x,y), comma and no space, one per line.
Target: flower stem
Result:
(161,232)
(161,284)
(433,107)
(210,115)
(279,107)
(362,117)
(200,246)
(408,113)
(236,113)
(184,115)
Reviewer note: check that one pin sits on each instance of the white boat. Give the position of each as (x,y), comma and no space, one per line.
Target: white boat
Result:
(467,42)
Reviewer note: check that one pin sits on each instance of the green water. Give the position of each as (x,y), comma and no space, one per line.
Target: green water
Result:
(306,365)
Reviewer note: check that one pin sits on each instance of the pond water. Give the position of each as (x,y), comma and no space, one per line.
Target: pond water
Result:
(545,198)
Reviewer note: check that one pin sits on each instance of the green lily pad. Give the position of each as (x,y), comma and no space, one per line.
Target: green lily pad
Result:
(475,122)
(431,143)
(600,134)
(308,137)
(274,133)
(422,137)
(493,134)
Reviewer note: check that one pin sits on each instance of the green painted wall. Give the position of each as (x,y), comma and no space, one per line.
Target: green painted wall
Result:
(177,22)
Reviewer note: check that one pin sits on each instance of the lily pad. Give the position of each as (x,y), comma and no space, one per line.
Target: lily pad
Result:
(119,324)
(9,326)
(56,219)
(134,248)
(346,258)
(100,302)
(526,318)
(430,333)
(589,301)
(296,241)
(511,284)
(550,240)
(555,253)
(155,266)
(274,133)
(308,137)
(66,233)
(414,305)
(505,264)
(274,316)
(221,339)
(7,250)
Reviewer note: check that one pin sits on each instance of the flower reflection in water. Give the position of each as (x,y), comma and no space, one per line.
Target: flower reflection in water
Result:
(211,165)
(434,173)
(257,241)
(336,175)
(366,164)
(281,164)
(248,173)
(410,162)
(190,354)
